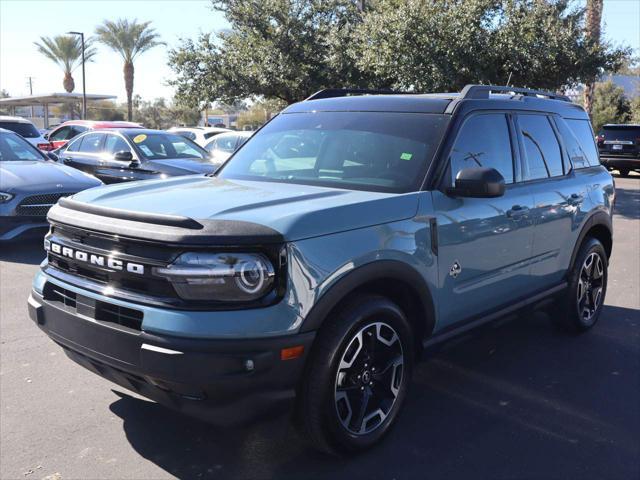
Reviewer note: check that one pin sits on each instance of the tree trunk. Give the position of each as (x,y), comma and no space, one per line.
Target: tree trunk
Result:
(68,82)
(592,26)
(128,85)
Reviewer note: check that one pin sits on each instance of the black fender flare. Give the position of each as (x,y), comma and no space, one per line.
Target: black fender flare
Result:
(378,270)
(597,218)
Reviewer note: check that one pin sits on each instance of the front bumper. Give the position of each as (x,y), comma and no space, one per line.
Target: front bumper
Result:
(631,162)
(222,381)
(12,227)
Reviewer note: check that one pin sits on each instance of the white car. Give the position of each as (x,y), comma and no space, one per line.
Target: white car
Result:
(223,145)
(25,129)
(200,135)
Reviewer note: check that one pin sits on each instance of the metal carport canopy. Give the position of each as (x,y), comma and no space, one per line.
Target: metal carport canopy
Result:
(52,98)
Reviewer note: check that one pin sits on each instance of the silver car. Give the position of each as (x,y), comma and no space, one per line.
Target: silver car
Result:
(30,184)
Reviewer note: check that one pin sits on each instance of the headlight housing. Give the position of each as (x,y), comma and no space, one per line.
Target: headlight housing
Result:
(220,277)
(5,197)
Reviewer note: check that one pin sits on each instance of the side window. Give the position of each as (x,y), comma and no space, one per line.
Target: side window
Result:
(60,134)
(74,145)
(227,143)
(543,154)
(582,130)
(186,134)
(576,154)
(115,143)
(92,143)
(211,146)
(76,130)
(483,141)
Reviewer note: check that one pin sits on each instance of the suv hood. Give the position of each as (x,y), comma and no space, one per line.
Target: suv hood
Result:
(38,176)
(294,211)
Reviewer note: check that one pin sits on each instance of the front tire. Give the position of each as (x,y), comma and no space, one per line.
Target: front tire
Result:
(624,172)
(358,376)
(583,301)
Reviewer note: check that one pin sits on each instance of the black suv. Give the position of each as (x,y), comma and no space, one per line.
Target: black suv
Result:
(619,148)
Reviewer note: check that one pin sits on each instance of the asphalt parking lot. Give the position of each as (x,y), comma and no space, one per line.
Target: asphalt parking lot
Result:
(517,400)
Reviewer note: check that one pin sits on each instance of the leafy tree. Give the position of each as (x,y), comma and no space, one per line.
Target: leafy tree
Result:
(609,105)
(184,115)
(287,49)
(443,45)
(130,39)
(66,52)
(593,31)
(275,48)
(105,110)
(635,110)
(259,113)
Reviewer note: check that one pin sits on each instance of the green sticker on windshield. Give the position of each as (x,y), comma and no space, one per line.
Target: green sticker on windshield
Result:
(406,156)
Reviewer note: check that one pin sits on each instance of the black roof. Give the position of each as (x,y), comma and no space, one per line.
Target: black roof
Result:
(418,103)
(471,97)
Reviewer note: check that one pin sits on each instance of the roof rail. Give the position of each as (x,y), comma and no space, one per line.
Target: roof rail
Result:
(345,92)
(483,92)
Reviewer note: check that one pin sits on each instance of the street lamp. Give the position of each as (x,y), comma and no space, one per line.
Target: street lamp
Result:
(84,89)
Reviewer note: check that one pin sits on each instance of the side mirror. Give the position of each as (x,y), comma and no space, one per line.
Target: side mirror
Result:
(52,156)
(478,183)
(123,156)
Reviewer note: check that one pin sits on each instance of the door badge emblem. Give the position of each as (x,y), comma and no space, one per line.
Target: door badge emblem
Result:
(455,269)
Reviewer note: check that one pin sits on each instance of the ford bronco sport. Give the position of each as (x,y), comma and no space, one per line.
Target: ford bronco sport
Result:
(354,230)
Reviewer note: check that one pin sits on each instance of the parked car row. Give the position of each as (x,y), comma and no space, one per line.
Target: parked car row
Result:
(39,169)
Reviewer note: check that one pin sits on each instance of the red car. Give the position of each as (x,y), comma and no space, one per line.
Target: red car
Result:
(59,136)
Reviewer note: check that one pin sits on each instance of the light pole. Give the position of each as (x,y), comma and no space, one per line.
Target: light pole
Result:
(84,88)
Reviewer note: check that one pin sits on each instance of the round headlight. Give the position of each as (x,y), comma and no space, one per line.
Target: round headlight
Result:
(220,277)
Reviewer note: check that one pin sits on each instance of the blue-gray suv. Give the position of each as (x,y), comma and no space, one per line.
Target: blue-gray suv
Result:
(350,233)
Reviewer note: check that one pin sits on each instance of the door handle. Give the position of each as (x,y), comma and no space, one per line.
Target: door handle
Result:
(66,159)
(517,211)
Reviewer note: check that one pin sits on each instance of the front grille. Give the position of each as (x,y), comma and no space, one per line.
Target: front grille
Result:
(39,205)
(95,309)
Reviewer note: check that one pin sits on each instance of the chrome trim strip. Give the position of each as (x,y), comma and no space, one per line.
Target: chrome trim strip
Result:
(153,348)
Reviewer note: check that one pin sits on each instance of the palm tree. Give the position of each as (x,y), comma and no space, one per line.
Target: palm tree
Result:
(129,39)
(592,27)
(66,52)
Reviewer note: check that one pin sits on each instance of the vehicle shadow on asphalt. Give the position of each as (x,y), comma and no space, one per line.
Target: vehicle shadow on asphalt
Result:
(28,251)
(628,202)
(513,400)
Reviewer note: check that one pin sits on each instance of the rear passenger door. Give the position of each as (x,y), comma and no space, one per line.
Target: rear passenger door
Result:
(484,244)
(558,196)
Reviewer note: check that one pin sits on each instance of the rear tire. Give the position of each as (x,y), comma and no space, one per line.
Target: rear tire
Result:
(623,172)
(581,304)
(357,377)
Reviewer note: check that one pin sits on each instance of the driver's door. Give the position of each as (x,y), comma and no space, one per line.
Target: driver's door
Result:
(112,170)
(484,244)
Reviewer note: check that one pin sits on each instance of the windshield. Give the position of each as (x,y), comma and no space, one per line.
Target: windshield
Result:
(376,151)
(621,133)
(159,146)
(25,130)
(13,148)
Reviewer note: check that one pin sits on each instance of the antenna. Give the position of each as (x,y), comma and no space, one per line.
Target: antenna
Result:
(509,79)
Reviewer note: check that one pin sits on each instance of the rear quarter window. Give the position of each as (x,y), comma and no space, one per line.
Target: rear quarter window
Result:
(584,134)
(25,130)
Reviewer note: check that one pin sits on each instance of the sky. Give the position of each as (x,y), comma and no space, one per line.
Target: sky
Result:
(23,21)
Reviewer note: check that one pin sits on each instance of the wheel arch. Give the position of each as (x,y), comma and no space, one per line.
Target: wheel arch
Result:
(598,226)
(392,279)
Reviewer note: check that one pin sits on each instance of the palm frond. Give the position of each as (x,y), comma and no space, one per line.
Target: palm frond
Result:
(128,38)
(65,51)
